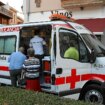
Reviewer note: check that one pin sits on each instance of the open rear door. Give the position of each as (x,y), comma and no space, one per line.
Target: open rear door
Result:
(9,38)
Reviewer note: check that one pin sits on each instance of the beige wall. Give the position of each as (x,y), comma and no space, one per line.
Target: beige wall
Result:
(32,12)
(45,5)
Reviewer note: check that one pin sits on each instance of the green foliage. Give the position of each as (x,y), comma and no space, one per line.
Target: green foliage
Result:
(17,96)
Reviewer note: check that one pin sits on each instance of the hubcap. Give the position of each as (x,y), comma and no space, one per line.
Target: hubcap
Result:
(94,96)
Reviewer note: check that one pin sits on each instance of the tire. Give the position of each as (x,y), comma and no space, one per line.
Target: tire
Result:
(94,94)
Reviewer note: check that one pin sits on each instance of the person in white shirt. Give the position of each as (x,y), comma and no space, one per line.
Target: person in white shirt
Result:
(37,44)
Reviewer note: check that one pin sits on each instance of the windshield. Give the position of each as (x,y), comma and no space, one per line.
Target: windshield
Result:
(94,43)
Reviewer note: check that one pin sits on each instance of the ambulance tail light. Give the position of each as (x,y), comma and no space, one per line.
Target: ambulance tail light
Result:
(47,65)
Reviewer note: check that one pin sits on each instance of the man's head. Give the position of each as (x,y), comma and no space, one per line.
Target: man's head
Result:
(21,49)
(42,33)
(72,43)
(30,52)
(37,32)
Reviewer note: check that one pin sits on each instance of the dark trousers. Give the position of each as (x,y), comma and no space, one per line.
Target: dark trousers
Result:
(40,57)
(15,76)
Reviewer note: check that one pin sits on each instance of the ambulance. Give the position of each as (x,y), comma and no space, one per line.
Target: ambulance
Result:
(82,79)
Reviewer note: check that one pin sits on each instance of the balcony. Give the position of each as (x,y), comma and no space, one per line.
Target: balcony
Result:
(5,12)
(77,3)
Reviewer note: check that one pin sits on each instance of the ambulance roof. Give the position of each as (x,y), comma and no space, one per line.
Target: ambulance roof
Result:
(79,28)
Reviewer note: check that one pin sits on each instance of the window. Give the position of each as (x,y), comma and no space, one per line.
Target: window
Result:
(93,43)
(99,37)
(67,39)
(83,51)
(7,44)
(72,46)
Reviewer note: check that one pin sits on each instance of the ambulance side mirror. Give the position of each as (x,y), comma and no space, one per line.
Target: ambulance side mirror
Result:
(92,56)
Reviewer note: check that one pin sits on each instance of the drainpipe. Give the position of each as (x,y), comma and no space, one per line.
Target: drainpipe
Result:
(28,12)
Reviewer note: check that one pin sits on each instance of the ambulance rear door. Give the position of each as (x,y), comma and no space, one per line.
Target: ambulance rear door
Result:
(9,38)
(69,73)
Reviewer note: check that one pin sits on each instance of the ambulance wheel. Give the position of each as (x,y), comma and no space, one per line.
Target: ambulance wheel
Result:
(94,94)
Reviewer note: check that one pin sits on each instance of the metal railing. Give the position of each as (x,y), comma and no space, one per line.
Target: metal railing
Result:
(5,12)
(72,3)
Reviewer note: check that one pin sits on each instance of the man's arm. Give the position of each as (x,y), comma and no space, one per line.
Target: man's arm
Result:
(10,57)
(30,44)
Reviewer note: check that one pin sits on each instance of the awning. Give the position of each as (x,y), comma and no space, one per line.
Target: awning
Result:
(95,25)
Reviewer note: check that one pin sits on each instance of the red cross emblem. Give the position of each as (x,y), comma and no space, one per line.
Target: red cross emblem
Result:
(73,79)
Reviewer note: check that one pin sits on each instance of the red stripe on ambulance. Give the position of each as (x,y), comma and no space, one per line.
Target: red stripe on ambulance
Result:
(4,68)
(60,81)
(92,76)
(73,78)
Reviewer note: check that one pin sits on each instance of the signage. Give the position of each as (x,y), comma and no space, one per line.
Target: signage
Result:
(10,29)
(66,13)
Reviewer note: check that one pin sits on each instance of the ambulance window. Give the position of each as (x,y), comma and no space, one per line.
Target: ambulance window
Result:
(1,45)
(72,46)
(68,39)
(7,44)
(83,51)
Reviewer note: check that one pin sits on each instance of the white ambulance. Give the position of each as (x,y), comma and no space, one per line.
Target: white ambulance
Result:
(82,79)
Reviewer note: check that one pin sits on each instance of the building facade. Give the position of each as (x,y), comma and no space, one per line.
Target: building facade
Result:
(5,14)
(15,18)
(39,10)
(8,15)
(90,13)
(19,20)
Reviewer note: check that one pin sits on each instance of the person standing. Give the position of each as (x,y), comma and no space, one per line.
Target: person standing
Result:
(37,44)
(16,61)
(45,36)
(31,66)
(31,63)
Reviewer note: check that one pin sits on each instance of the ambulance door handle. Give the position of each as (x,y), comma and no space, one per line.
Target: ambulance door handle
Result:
(53,79)
(59,71)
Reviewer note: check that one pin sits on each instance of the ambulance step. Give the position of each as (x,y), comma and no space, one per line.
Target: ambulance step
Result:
(46,90)
(45,86)
(48,72)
